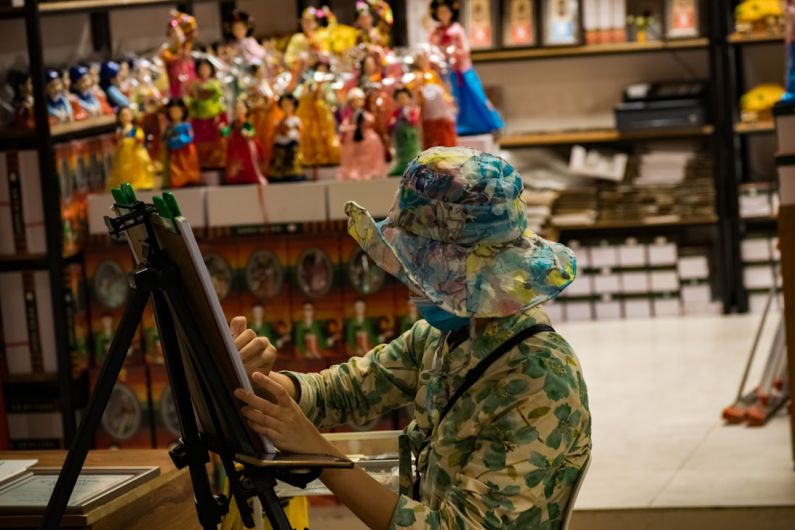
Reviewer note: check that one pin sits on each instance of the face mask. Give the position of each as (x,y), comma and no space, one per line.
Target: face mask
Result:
(437,317)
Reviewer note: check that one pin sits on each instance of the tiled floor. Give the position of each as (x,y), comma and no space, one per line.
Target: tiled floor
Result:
(657,388)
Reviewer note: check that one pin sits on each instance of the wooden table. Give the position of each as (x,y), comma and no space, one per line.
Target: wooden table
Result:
(161,503)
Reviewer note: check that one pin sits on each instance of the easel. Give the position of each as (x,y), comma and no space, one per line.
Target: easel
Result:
(159,278)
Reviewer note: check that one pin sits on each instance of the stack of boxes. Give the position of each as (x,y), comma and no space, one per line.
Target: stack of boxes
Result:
(761,269)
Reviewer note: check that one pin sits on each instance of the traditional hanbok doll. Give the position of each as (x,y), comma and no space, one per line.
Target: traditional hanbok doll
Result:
(265,113)
(286,159)
(109,82)
(176,53)
(363,156)
(90,102)
(22,85)
(59,106)
(243,45)
(320,144)
(405,133)
(437,107)
(131,162)
(182,162)
(244,156)
(373,24)
(208,115)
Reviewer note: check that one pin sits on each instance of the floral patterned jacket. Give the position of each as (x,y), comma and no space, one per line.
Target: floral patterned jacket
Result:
(508,452)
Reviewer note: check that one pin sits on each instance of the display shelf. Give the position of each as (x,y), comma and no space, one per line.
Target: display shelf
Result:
(754,128)
(9,12)
(637,225)
(11,139)
(753,38)
(483,56)
(87,6)
(765,222)
(22,262)
(594,136)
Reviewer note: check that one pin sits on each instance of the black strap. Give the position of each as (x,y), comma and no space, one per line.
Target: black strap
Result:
(477,372)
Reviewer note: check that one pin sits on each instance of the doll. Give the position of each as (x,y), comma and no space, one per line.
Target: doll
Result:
(59,106)
(207,116)
(362,148)
(370,33)
(360,336)
(437,108)
(286,162)
(22,85)
(243,44)
(131,162)
(311,40)
(175,54)
(109,82)
(244,156)
(476,115)
(182,162)
(265,113)
(320,144)
(89,101)
(405,119)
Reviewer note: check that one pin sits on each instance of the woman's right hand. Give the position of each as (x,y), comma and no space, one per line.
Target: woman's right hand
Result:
(257,353)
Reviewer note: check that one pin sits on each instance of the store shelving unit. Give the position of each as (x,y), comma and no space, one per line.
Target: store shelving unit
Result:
(586,50)
(762,127)
(756,38)
(598,136)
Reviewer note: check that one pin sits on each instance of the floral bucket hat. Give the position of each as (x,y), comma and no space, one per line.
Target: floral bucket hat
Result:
(457,232)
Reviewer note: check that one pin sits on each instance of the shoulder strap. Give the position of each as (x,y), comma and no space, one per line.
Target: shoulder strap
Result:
(477,372)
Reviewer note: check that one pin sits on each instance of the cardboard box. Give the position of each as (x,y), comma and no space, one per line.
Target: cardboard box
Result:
(255,205)
(375,195)
(582,253)
(607,308)
(35,430)
(637,307)
(604,256)
(693,268)
(632,254)
(578,309)
(606,282)
(583,285)
(664,280)
(634,282)
(662,253)
(125,423)
(756,250)
(696,293)
(759,277)
(666,306)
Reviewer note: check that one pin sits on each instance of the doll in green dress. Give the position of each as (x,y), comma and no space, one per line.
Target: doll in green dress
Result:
(309,335)
(207,115)
(405,135)
(360,336)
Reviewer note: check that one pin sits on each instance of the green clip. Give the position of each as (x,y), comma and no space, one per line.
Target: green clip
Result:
(129,192)
(162,207)
(171,201)
(118,197)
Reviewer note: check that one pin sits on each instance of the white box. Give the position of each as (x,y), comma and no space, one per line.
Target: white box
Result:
(664,281)
(254,205)
(758,277)
(604,256)
(578,310)
(666,307)
(775,251)
(701,308)
(375,195)
(581,286)
(607,309)
(756,250)
(634,282)
(693,268)
(662,254)
(192,204)
(632,255)
(695,294)
(637,308)
(606,283)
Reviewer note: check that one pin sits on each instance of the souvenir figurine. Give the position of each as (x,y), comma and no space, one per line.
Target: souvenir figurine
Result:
(360,337)
(362,148)
(476,115)
(437,107)
(131,162)
(243,157)
(373,23)
(405,120)
(260,325)
(109,82)
(265,112)
(22,85)
(88,101)
(176,53)
(309,336)
(286,162)
(760,16)
(311,40)
(182,162)
(320,144)
(243,44)
(149,103)
(207,116)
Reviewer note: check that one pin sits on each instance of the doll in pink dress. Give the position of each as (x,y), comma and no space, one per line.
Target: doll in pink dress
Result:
(363,156)
(243,44)
(176,53)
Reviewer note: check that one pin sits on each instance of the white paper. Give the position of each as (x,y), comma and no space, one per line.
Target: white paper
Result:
(12,468)
(36,490)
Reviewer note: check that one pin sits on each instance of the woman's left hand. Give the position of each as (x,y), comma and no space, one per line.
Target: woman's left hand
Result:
(282,421)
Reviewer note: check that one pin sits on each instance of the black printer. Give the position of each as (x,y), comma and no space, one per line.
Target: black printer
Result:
(662,105)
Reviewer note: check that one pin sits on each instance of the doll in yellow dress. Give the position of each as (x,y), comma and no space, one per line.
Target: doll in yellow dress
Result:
(320,144)
(131,162)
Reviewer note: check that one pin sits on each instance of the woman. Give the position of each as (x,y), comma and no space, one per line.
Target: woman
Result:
(507,452)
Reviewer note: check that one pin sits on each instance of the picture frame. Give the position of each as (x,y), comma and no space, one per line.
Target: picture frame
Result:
(519,28)
(562,23)
(30,493)
(682,19)
(479,24)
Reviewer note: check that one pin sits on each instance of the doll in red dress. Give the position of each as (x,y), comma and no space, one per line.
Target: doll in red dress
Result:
(243,153)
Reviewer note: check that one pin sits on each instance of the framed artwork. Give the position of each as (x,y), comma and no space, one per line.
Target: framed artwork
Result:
(681,18)
(220,274)
(365,276)
(562,22)
(479,19)
(519,23)
(264,274)
(315,273)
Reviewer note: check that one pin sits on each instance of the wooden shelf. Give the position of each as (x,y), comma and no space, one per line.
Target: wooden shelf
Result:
(754,128)
(636,224)
(20,262)
(64,132)
(68,6)
(598,136)
(586,50)
(753,38)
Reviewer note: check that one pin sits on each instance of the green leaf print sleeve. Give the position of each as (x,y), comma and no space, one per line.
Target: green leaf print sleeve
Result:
(364,388)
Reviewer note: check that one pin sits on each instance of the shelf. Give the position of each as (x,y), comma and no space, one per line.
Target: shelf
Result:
(755,38)
(599,136)
(754,128)
(765,222)
(25,379)
(23,262)
(637,225)
(64,132)
(587,50)
(14,139)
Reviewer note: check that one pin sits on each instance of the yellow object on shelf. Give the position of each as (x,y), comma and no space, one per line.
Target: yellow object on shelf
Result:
(759,16)
(757,104)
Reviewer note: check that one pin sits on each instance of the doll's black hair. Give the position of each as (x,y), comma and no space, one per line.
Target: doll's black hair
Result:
(358,134)
(121,108)
(204,60)
(291,98)
(453,5)
(242,17)
(176,102)
(402,90)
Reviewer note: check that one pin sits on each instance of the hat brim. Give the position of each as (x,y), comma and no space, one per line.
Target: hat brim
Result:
(486,281)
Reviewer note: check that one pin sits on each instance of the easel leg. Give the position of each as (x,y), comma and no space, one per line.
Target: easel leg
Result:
(273,509)
(210,509)
(142,286)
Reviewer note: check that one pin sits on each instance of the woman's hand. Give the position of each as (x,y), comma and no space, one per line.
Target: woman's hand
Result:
(282,420)
(257,353)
